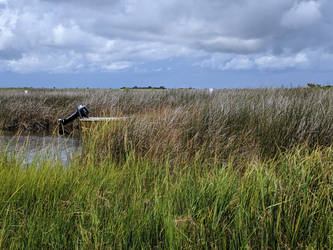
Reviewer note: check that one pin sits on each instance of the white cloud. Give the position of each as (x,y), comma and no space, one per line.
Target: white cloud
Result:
(7,23)
(117,66)
(53,63)
(303,13)
(232,44)
(73,35)
(281,62)
(239,62)
(262,62)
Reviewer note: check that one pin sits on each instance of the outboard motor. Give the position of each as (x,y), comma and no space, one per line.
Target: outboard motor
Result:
(81,112)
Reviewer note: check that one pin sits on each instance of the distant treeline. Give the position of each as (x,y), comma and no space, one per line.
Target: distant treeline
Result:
(315,85)
(149,87)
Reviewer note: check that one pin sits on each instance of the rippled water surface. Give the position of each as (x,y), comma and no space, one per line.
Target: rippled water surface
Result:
(31,146)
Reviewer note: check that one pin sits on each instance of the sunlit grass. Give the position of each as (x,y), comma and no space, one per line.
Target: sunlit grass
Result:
(285,203)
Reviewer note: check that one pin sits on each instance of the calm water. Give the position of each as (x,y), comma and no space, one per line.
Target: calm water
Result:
(31,146)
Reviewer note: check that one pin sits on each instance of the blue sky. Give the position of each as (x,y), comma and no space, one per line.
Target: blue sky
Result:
(188,43)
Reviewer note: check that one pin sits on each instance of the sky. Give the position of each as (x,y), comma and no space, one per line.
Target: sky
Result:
(171,43)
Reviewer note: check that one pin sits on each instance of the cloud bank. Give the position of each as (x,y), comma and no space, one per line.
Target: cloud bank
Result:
(105,36)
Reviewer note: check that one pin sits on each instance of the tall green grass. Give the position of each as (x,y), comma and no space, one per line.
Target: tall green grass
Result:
(236,169)
(139,203)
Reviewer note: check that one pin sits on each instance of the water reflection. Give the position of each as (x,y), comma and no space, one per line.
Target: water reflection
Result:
(44,147)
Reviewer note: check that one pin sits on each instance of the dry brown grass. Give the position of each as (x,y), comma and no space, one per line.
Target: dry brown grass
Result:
(195,125)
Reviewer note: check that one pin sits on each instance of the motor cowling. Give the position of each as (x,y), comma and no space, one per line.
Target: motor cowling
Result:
(81,112)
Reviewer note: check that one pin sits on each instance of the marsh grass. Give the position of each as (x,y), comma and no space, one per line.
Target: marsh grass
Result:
(285,203)
(251,124)
(246,122)
(236,169)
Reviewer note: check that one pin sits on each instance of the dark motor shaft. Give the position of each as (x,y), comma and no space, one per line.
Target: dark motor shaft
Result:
(81,112)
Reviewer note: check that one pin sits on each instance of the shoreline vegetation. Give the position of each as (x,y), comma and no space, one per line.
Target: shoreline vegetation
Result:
(257,121)
(230,169)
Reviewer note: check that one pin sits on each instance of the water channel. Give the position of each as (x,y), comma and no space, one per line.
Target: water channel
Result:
(30,147)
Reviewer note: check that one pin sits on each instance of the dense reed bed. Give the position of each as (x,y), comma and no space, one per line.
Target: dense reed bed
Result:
(247,122)
(39,109)
(235,169)
(140,204)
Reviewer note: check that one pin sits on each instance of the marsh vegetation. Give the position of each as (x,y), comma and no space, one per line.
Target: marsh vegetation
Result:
(231,169)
